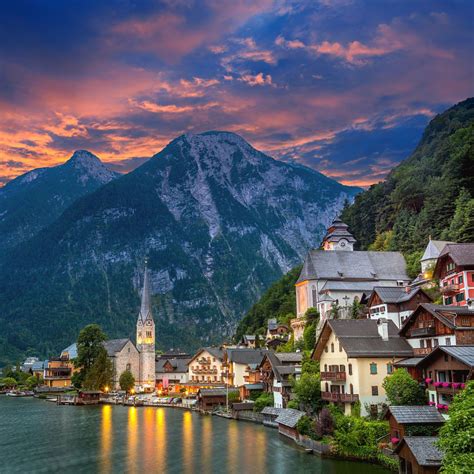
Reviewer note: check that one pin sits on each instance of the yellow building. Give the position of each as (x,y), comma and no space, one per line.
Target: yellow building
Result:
(355,356)
(206,366)
(59,370)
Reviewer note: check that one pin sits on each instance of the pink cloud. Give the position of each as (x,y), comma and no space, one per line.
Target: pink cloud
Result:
(259,79)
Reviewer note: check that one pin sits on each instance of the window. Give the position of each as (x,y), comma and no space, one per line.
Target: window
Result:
(340,347)
(325,367)
(422,343)
(373,368)
(129,367)
(350,369)
(315,298)
(148,334)
(448,341)
(332,346)
(389,368)
(342,368)
(326,349)
(449,300)
(460,297)
(351,388)
(460,279)
(435,342)
(375,391)
(327,387)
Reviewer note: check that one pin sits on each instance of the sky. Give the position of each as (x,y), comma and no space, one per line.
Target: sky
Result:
(343,86)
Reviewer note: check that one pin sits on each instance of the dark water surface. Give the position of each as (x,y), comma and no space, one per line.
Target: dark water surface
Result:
(39,437)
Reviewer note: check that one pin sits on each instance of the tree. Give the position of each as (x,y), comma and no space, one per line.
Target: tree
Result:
(309,336)
(33,381)
(101,374)
(401,389)
(126,381)
(9,382)
(264,400)
(308,392)
(456,435)
(257,341)
(324,424)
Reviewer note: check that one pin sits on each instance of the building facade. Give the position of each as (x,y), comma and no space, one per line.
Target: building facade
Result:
(206,366)
(124,356)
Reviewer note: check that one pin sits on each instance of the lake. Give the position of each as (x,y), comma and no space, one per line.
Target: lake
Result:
(40,437)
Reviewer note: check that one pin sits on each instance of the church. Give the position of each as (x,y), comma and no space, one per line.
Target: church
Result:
(336,275)
(139,359)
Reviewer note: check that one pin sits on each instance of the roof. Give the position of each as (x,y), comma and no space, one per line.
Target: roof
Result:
(71,350)
(464,354)
(361,338)
(445,314)
(289,417)
(145,307)
(216,392)
(433,249)
(419,414)
(338,230)
(289,356)
(39,365)
(410,362)
(179,364)
(243,406)
(462,254)
(396,294)
(277,359)
(271,411)
(216,352)
(341,264)
(423,448)
(114,345)
(365,286)
(253,386)
(249,337)
(246,356)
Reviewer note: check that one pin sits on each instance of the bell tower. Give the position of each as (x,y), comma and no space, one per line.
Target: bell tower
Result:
(146,336)
(338,237)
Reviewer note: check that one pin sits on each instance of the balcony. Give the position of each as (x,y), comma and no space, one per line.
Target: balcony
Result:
(422,351)
(427,331)
(203,360)
(339,397)
(333,376)
(449,289)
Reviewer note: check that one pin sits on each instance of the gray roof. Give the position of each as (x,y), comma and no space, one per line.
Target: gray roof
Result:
(423,448)
(179,364)
(365,286)
(289,356)
(216,392)
(286,369)
(360,338)
(395,294)
(433,249)
(249,337)
(39,365)
(271,411)
(423,414)
(410,362)
(253,386)
(71,350)
(338,230)
(289,417)
(145,307)
(216,352)
(462,254)
(114,345)
(338,265)
(246,356)
(464,354)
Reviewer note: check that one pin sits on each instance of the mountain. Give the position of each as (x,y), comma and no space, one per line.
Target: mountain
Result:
(35,199)
(218,220)
(431,193)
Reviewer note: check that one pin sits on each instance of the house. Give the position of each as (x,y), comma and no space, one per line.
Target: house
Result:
(276,330)
(270,414)
(418,455)
(455,271)
(172,373)
(431,254)
(273,344)
(446,370)
(248,340)
(58,371)
(432,325)
(124,356)
(37,369)
(28,364)
(242,365)
(287,421)
(412,420)
(411,366)
(332,279)
(395,303)
(355,355)
(206,366)
(210,398)
(276,369)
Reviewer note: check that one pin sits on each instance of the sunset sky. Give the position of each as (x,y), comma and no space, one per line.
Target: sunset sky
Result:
(343,86)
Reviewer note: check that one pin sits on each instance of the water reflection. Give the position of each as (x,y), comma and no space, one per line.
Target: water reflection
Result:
(188,441)
(161,436)
(232,442)
(106,439)
(132,440)
(206,443)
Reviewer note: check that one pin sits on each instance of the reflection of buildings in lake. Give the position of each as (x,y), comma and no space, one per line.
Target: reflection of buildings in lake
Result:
(132,440)
(188,442)
(148,432)
(206,443)
(106,439)
(232,444)
(160,437)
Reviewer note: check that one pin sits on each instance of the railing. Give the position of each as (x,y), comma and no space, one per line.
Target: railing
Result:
(422,351)
(339,397)
(428,331)
(203,361)
(333,376)
(57,377)
(449,289)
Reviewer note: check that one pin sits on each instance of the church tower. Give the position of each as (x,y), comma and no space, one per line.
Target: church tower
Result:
(146,337)
(338,237)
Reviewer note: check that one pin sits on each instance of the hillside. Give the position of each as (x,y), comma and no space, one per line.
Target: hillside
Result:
(219,221)
(429,194)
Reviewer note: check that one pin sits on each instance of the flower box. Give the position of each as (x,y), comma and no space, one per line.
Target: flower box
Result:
(394,440)
(463,385)
(456,384)
(437,384)
(446,384)
(431,404)
(439,406)
(428,380)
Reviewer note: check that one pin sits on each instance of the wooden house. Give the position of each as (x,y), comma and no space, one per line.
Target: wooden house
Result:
(208,399)
(418,455)
(287,421)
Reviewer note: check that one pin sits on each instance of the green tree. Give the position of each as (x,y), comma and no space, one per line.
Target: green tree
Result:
(307,390)
(401,389)
(264,400)
(126,381)
(89,346)
(101,374)
(33,381)
(461,228)
(9,382)
(457,434)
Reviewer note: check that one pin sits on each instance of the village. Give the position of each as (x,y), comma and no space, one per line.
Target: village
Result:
(367,342)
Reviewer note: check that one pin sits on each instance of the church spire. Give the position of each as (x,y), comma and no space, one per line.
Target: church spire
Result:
(145,307)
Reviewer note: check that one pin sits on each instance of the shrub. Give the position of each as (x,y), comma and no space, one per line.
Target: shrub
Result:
(264,400)
(305,426)
(324,424)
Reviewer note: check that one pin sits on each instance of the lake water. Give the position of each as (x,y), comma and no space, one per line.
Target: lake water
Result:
(39,437)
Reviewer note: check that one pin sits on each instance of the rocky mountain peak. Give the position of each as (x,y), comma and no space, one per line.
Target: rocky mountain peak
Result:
(91,167)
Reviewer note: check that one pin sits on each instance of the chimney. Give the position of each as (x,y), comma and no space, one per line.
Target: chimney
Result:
(382,327)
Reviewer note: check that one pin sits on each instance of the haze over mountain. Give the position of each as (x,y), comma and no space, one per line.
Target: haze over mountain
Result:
(35,199)
(218,220)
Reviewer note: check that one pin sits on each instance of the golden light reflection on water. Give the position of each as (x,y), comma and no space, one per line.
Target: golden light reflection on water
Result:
(160,438)
(232,444)
(132,440)
(106,439)
(206,444)
(188,442)
(147,437)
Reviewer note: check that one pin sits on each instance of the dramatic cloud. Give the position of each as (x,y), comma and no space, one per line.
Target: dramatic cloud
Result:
(343,86)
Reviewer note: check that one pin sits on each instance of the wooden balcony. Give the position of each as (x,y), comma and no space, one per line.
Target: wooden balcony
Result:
(422,351)
(428,331)
(333,376)
(449,289)
(339,397)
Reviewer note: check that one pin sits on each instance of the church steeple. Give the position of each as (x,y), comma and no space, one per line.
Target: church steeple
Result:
(338,237)
(146,335)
